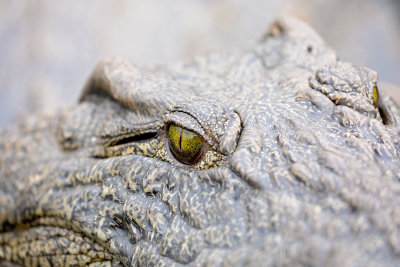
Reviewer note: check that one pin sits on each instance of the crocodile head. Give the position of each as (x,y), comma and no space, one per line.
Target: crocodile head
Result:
(277,155)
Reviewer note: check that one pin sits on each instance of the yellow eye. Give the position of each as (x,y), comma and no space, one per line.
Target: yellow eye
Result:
(375,95)
(186,146)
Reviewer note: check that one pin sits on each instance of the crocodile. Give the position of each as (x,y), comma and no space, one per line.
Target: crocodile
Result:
(280,154)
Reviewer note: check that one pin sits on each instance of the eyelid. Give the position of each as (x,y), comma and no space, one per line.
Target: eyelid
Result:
(188,122)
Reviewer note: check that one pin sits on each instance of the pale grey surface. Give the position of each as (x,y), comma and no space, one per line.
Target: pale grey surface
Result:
(49,48)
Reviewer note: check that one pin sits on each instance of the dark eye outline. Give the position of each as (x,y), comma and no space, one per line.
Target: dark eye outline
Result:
(198,156)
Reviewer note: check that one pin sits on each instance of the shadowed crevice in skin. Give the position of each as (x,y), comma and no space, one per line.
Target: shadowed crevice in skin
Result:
(134,138)
(298,168)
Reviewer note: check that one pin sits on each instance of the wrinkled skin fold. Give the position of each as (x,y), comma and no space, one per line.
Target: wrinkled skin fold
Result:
(299,165)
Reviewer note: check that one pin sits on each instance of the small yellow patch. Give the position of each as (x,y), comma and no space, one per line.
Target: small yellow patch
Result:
(375,95)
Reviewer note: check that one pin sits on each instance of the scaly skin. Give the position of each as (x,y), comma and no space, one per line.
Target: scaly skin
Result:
(302,166)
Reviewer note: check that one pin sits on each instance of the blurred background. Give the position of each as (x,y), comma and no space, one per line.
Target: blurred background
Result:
(49,48)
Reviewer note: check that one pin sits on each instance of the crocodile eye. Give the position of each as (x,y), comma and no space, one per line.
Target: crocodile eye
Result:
(375,95)
(186,146)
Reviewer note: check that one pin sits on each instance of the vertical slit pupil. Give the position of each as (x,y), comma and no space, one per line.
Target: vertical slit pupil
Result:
(180,139)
